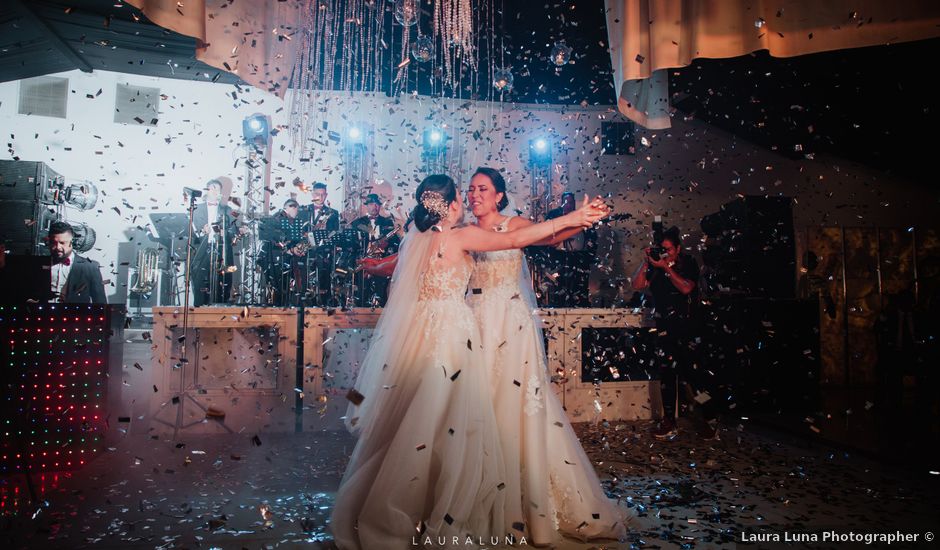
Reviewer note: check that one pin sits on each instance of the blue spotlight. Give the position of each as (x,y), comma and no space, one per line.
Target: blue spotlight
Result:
(255,128)
(540,151)
(434,139)
(355,135)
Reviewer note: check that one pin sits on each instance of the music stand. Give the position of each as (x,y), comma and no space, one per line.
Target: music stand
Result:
(347,246)
(169,229)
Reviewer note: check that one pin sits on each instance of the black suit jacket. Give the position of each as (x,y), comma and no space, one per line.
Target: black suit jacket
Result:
(84,285)
(201,218)
(327,219)
(385,225)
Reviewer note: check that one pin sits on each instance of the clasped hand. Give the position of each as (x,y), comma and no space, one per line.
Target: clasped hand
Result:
(591,211)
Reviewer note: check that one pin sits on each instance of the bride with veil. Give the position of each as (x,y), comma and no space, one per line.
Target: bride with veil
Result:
(428,462)
(551,487)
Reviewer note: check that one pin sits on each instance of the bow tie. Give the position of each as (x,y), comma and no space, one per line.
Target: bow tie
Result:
(64,261)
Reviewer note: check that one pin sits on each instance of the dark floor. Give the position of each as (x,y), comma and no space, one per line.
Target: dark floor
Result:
(275,490)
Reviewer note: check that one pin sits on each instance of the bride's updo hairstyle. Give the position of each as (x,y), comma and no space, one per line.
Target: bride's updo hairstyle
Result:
(434,195)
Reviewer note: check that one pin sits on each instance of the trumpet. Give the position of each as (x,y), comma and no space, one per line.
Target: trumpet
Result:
(148,264)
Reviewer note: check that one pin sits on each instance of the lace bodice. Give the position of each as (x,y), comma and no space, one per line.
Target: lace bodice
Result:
(497,270)
(444,282)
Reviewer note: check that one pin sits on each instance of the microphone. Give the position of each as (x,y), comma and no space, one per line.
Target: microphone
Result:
(194,193)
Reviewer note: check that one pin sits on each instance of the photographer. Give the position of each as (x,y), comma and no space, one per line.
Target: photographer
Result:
(672,278)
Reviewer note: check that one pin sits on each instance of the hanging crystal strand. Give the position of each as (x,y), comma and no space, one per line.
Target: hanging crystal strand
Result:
(401,75)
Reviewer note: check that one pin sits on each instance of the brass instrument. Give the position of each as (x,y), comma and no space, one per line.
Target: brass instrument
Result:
(148,265)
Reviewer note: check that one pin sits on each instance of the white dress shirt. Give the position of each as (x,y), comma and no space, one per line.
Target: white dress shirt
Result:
(213,217)
(60,274)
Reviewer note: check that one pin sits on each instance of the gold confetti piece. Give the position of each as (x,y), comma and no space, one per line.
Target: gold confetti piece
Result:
(355,397)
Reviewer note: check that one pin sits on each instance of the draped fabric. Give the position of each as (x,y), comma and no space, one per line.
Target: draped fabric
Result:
(253,40)
(648,37)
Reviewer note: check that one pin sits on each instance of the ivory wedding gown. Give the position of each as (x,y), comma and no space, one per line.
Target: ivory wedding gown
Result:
(427,462)
(551,485)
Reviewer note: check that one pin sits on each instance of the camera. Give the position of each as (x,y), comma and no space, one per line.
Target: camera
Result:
(656,251)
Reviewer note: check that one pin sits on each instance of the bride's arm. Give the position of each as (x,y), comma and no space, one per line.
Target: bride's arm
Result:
(519,222)
(474,239)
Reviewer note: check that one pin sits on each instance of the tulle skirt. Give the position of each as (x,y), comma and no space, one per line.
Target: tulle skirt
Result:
(551,485)
(429,462)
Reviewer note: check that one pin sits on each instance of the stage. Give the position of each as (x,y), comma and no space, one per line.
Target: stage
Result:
(260,369)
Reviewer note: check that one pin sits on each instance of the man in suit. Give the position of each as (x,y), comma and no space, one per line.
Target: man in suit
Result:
(320,217)
(75,279)
(284,252)
(573,258)
(378,232)
(214,231)
(319,214)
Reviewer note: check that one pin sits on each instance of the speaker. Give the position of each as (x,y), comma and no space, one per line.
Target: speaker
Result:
(751,247)
(27,191)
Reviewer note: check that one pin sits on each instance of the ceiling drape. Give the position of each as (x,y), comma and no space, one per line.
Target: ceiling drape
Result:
(251,39)
(648,37)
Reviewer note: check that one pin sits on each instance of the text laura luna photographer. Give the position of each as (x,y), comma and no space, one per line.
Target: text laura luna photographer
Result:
(834,536)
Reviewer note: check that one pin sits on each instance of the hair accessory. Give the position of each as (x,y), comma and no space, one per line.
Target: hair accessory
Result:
(434,203)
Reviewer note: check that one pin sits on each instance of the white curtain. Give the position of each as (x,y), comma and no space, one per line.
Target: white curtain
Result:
(648,37)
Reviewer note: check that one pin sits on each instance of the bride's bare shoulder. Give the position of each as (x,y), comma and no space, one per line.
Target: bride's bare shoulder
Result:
(518,222)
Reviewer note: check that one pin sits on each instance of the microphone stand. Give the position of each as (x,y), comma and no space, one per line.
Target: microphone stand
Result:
(182,395)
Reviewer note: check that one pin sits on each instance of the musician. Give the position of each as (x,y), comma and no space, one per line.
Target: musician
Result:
(380,234)
(320,217)
(284,251)
(318,212)
(214,231)
(573,258)
(75,279)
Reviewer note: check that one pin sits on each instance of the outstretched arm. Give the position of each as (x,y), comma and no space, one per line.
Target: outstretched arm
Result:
(519,222)
(474,239)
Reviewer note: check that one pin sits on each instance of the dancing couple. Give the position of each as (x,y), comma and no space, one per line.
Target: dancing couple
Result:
(460,436)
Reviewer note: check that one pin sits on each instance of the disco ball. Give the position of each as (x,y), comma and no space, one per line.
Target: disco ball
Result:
(502,80)
(561,54)
(423,49)
(406,12)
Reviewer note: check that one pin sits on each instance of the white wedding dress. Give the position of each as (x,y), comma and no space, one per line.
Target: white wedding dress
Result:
(427,462)
(551,485)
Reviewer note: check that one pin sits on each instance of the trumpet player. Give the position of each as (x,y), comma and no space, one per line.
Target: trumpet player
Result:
(214,232)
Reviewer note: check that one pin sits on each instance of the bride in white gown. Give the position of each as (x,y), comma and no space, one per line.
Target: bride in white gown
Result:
(551,485)
(428,463)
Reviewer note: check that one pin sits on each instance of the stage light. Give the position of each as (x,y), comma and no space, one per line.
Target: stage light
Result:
(355,135)
(540,151)
(434,139)
(82,196)
(85,237)
(255,128)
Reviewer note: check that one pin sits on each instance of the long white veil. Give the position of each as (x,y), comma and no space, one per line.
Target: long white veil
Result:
(525,276)
(380,367)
